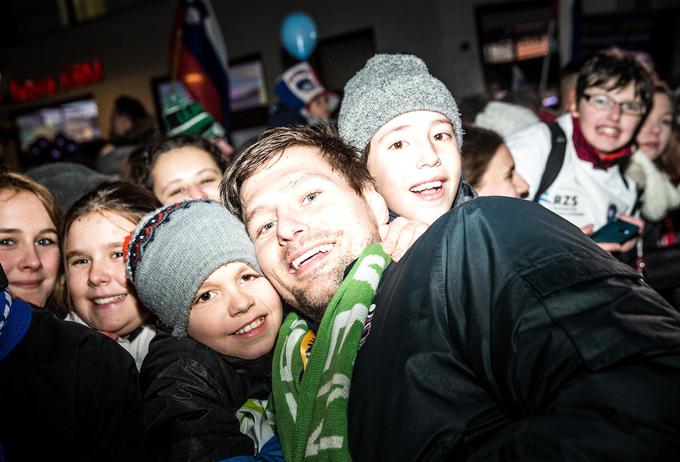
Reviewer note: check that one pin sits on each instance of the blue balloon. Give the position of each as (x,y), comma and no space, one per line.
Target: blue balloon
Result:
(298,35)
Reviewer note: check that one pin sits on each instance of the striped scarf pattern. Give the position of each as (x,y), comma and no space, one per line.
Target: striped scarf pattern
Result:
(311,408)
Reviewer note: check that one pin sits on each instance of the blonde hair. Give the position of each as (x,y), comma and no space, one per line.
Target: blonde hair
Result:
(17,182)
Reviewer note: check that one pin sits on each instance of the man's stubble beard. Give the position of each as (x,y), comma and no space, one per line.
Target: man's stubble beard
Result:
(313,301)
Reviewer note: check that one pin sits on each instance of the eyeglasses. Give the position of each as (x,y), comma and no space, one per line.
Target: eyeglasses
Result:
(604,102)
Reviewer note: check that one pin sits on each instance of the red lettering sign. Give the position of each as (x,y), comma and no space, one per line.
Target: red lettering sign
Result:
(75,76)
(81,74)
(28,90)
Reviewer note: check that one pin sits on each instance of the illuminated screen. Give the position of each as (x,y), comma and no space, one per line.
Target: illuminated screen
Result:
(75,120)
(248,87)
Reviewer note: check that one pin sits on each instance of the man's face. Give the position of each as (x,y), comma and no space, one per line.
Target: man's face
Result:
(415,161)
(307,225)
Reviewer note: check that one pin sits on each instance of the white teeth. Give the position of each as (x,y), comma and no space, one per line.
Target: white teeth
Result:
(424,186)
(247,328)
(309,254)
(115,298)
(609,131)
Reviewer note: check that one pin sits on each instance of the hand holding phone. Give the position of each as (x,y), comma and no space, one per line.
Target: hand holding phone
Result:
(617,231)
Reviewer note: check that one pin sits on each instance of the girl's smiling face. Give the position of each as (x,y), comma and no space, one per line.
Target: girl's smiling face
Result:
(185,173)
(29,246)
(95,273)
(655,133)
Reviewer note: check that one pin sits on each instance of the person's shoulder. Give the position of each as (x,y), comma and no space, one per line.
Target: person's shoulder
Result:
(530,148)
(55,340)
(180,358)
(165,349)
(512,226)
(50,328)
(525,134)
(282,116)
(496,210)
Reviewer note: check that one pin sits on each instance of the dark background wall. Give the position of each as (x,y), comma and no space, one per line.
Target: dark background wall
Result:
(132,39)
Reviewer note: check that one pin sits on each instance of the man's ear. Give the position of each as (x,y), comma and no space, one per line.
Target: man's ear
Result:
(377,204)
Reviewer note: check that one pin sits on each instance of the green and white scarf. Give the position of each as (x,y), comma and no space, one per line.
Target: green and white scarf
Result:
(311,408)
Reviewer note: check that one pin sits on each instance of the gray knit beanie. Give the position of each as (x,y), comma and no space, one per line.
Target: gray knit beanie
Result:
(175,248)
(389,86)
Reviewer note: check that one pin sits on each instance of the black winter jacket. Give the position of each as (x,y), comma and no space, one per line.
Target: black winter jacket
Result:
(191,395)
(69,393)
(504,333)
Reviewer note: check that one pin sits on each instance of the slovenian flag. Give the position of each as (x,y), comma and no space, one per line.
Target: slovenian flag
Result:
(198,58)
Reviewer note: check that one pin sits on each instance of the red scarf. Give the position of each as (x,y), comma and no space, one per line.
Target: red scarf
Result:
(586,151)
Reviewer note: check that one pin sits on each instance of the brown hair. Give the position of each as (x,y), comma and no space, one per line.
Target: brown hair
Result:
(613,71)
(142,160)
(17,182)
(271,145)
(479,148)
(126,199)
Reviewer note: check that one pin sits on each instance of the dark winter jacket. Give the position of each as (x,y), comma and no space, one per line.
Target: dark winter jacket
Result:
(504,333)
(283,116)
(69,393)
(191,395)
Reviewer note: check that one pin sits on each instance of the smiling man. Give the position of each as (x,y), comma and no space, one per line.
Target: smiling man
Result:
(308,269)
(486,341)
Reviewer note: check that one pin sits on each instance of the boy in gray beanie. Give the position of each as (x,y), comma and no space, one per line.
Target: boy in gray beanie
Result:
(194,266)
(405,125)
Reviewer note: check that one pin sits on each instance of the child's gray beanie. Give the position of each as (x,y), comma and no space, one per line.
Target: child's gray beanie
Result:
(175,248)
(389,86)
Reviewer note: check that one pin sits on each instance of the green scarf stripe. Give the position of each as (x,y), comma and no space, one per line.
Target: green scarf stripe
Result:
(311,409)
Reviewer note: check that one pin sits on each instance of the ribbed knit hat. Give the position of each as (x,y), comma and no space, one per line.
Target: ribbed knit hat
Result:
(191,119)
(177,247)
(389,86)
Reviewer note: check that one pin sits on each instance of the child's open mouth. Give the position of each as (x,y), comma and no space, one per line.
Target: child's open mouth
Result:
(249,327)
(429,188)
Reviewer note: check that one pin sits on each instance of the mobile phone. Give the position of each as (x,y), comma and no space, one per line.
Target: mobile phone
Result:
(617,231)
